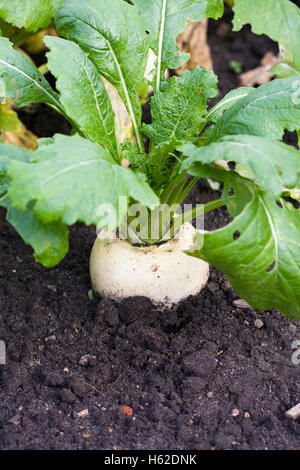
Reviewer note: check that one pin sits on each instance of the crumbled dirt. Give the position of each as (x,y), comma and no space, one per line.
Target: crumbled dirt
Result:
(87,373)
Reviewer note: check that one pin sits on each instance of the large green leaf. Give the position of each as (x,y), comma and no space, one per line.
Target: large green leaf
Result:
(83,93)
(259,252)
(7,154)
(23,80)
(12,152)
(179,109)
(70,178)
(280,20)
(49,241)
(29,14)
(113,35)
(164,20)
(225,103)
(273,166)
(266,111)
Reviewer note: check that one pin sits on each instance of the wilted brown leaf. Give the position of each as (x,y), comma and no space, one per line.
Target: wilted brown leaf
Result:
(125,129)
(22,138)
(194,40)
(260,74)
(12,130)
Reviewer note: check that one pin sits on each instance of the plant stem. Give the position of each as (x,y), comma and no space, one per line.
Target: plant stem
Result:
(187,189)
(193,214)
(160,44)
(170,189)
(44,69)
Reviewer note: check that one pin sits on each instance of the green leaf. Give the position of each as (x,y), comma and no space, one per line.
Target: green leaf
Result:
(49,241)
(112,34)
(7,154)
(12,152)
(179,109)
(259,252)
(139,160)
(279,19)
(161,163)
(164,20)
(70,177)
(6,29)
(29,14)
(266,111)
(23,80)
(229,100)
(236,192)
(83,93)
(274,166)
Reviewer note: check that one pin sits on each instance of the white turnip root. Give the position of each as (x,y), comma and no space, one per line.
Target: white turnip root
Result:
(164,273)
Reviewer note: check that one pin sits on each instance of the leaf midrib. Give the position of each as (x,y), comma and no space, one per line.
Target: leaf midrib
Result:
(65,170)
(224,103)
(182,112)
(160,43)
(273,230)
(13,67)
(122,79)
(96,99)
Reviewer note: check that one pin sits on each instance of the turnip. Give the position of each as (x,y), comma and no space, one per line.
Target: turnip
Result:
(163,273)
(130,180)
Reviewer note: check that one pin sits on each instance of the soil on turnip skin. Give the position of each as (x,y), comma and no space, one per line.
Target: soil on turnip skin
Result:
(87,373)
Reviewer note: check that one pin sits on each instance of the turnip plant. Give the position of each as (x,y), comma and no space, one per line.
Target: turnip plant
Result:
(238,143)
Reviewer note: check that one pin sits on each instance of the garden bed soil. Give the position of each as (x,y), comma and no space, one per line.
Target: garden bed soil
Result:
(86,373)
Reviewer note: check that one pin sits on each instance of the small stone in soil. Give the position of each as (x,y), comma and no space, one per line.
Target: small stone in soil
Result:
(83,413)
(16,420)
(52,287)
(258,323)
(240,303)
(87,360)
(294,412)
(50,338)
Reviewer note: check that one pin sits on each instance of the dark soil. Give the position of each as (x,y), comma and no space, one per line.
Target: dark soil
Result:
(206,375)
